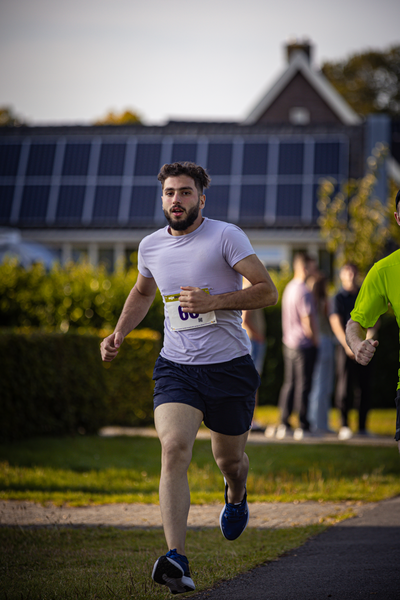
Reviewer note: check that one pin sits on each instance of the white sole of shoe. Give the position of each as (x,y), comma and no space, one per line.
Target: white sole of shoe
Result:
(168,572)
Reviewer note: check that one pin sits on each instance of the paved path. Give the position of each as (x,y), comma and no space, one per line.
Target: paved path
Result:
(355,559)
(259,438)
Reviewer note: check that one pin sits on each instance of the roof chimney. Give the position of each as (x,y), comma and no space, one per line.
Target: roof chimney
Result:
(294,46)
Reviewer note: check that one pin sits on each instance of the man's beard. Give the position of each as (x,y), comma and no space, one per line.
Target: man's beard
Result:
(183,224)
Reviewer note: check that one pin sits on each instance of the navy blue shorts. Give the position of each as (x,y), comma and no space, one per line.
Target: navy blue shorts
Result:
(224,392)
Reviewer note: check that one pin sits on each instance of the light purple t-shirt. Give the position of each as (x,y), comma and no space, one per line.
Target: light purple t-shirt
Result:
(204,258)
(297,302)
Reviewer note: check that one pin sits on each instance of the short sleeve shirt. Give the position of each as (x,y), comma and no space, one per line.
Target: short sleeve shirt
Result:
(205,259)
(297,302)
(343,304)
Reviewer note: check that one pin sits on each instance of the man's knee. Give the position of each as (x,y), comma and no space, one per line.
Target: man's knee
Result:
(229,465)
(176,452)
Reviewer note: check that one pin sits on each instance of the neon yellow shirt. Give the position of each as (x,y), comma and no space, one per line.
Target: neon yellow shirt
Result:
(381,287)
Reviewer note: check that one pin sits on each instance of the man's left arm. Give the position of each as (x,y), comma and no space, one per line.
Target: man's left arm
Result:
(260,294)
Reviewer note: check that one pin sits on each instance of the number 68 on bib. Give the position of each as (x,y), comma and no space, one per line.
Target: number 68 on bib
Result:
(180,320)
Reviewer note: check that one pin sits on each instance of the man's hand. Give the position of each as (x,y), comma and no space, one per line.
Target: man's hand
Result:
(365,350)
(195,300)
(109,346)
(356,338)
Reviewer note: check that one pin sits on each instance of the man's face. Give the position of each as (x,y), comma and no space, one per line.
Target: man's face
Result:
(182,204)
(347,277)
(311,268)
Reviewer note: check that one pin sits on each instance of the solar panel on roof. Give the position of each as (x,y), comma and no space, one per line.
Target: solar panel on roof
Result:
(70,203)
(255,158)
(41,159)
(143,199)
(252,202)
(112,158)
(315,210)
(9,159)
(6,198)
(34,203)
(106,203)
(217,202)
(148,159)
(231,160)
(184,152)
(219,160)
(289,200)
(291,158)
(326,158)
(76,159)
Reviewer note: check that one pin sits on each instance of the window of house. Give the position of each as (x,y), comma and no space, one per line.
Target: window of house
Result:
(299,115)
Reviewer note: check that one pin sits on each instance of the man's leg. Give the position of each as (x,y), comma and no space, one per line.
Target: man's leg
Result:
(306,362)
(233,462)
(363,375)
(342,384)
(177,425)
(286,396)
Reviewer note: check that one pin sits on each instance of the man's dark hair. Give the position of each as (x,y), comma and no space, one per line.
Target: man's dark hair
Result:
(350,265)
(397,201)
(198,174)
(303,258)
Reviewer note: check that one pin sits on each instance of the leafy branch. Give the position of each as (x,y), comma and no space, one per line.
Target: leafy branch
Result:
(353,221)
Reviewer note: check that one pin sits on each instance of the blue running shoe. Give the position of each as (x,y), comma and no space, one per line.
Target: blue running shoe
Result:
(234,517)
(172,570)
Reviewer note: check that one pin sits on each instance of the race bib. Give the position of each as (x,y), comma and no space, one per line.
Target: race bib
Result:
(180,320)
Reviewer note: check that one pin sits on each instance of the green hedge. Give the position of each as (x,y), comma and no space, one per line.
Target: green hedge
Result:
(128,380)
(272,375)
(69,298)
(78,296)
(56,384)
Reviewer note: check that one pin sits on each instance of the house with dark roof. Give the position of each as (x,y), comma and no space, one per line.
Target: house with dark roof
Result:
(302,96)
(93,190)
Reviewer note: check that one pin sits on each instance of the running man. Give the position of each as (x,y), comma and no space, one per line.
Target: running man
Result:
(381,286)
(204,372)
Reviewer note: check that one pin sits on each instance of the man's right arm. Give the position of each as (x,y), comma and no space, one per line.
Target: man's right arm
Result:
(135,309)
(339,331)
(363,348)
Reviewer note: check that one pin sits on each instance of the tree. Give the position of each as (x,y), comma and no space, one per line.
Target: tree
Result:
(126,117)
(369,81)
(354,223)
(8,118)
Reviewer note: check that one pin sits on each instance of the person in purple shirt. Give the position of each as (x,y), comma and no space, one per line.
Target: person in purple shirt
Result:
(205,371)
(300,343)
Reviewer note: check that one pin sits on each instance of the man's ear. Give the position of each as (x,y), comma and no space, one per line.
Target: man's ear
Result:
(397,217)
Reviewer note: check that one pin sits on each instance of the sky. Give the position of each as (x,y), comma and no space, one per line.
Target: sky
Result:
(71,62)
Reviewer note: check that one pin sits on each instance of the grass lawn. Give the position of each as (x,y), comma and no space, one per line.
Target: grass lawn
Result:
(106,563)
(94,470)
(101,562)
